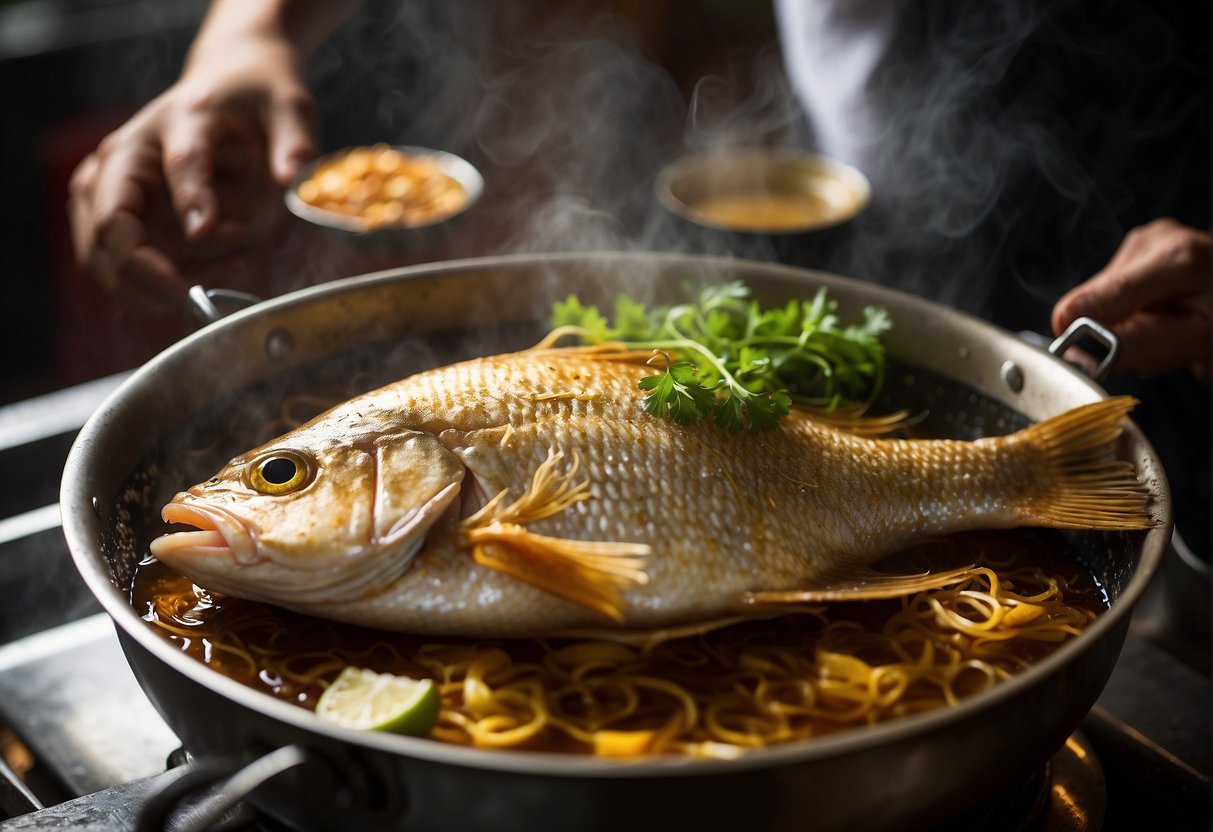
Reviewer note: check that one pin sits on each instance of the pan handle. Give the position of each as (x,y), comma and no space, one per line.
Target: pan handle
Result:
(1089,328)
(233,779)
(201,302)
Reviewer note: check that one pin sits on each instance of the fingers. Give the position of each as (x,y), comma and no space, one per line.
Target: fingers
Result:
(80,208)
(289,128)
(1155,295)
(1160,343)
(109,196)
(150,280)
(188,171)
(1159,263)
(133,271)
(147,278)
(117,253)
(155,205)
(117,201)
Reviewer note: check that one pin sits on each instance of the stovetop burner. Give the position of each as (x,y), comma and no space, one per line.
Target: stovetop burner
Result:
(1067,794)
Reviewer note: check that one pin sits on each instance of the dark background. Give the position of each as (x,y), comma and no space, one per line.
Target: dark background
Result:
(73,70)
(69,73)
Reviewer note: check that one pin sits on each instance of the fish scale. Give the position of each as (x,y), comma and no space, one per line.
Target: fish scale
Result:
(531,494)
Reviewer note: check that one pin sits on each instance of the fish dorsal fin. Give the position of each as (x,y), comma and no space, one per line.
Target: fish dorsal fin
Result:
(852,419)
(607,350)
(587,572)
(855,420)
(859,584)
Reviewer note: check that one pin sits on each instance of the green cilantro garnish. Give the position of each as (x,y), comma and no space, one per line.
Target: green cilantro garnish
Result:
(727,358)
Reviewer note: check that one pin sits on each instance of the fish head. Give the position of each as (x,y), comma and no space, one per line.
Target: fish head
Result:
(313,516)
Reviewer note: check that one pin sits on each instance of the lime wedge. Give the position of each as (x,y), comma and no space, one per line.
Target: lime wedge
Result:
(366,700)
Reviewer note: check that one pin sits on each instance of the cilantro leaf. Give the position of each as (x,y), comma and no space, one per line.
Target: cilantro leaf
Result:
(571,312)
(738,363)
(677,393)
(765,410)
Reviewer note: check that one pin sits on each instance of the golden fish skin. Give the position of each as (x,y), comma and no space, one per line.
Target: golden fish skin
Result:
(658,524)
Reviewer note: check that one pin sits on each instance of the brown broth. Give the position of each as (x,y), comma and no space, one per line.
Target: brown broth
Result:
(294,656)
(769,211)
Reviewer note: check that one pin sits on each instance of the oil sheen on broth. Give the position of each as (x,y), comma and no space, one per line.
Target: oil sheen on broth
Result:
(750,685)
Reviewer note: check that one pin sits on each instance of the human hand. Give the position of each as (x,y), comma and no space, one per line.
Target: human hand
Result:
(1154,294)
(179,193)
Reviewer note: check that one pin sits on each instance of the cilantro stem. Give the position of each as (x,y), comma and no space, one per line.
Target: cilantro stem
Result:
(738,362)
(707,355)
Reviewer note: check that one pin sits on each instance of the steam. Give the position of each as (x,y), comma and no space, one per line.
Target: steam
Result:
(1000,138)
(981,198)
(566,114)
(751,103)
(948,151)
(576,129)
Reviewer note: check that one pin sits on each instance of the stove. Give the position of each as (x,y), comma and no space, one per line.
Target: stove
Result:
(82,748)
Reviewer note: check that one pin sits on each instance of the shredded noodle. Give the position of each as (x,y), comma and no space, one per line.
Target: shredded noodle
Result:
(745,687)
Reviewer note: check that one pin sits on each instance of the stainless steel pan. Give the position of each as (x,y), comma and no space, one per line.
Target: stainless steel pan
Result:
(972,377)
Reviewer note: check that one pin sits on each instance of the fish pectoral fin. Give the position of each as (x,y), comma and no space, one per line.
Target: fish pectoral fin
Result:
(551,491)
(590,573)
(859,585)
(586,572)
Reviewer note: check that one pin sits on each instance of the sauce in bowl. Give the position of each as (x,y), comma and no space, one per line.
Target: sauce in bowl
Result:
(757,190)
(758,212)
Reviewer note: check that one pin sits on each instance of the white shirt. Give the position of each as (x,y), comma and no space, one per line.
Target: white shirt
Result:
(832,49)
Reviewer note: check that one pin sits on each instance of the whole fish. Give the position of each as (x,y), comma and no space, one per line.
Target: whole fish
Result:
(531,494)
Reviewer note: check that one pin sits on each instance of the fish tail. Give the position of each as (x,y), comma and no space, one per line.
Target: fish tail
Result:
(1085,485)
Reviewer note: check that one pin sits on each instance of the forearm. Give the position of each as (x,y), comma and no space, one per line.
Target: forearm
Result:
(301,25)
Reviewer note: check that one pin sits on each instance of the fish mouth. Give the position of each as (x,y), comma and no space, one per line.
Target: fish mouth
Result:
(217,534)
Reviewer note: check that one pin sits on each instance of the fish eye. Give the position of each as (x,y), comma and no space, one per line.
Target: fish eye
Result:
(279,472)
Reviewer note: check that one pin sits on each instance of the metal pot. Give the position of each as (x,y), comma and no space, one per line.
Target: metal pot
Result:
(901,775)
